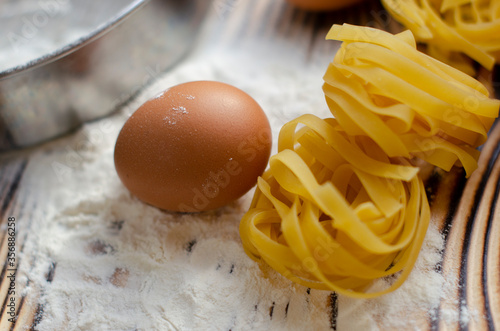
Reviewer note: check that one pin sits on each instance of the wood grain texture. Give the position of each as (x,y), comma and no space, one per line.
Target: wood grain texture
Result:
(466,211)
(469,255)
(11,172)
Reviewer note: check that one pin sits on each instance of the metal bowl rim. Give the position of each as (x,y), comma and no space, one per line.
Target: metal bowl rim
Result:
(101,30)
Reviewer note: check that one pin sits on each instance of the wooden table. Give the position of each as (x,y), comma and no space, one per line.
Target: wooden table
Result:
(465,210)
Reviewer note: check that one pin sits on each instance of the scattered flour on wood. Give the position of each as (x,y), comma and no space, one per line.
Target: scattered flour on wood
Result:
(119,264)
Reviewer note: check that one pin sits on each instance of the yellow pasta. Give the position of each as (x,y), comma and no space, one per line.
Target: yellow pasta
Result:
(341,205)
(379,85)
(453,27)
(335,213)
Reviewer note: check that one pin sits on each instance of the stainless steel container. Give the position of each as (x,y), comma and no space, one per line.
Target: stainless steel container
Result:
(130,43)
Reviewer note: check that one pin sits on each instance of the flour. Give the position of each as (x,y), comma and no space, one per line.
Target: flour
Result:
(119,264)
(35,29)
(422,291)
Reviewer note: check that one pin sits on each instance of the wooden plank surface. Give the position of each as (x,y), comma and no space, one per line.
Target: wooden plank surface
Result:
(466,211)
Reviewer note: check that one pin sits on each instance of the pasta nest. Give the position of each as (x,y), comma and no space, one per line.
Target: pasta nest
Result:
(379,85)
(453,27)
(341,205)
(334,212)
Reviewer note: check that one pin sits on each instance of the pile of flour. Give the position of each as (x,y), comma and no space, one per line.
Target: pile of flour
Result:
(103,260)
(31,29)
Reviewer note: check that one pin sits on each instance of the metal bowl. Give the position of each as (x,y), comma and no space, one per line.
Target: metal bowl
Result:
(124,46)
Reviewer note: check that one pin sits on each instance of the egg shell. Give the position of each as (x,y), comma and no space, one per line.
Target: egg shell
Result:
(197,146)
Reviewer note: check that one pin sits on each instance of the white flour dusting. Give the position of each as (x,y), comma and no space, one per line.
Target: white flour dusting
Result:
(33,29)
(122,265)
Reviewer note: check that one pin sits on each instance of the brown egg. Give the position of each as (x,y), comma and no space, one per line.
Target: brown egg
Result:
(320,5)
(198,146)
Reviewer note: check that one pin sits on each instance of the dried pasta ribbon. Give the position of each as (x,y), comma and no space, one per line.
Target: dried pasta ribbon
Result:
(379,85)
(340,204)
(335,213)
(452,27)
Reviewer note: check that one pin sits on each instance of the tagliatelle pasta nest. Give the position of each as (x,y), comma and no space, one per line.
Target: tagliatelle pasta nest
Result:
(341,205)
(379,85)
(453,27)
(335,213)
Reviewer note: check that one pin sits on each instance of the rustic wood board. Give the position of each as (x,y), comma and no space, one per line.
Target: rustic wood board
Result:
(465,210)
